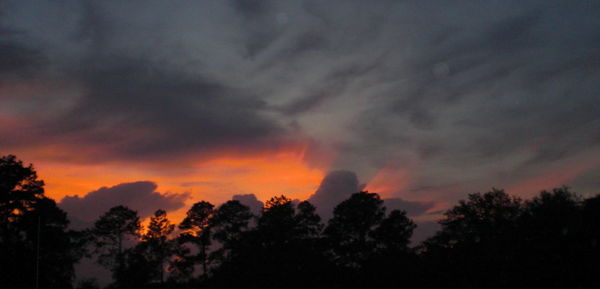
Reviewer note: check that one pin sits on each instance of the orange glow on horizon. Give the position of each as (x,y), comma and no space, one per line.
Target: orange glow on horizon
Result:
(214,180)
(215,176)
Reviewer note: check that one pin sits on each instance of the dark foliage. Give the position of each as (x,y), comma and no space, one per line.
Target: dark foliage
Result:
(368,247)
(496,241)
(156,245)
(490,240)
(112,231)
(282,251)
(36,249)
(196,229)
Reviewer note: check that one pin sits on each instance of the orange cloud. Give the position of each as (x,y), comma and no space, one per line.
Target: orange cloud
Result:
(215,180)
(389,180)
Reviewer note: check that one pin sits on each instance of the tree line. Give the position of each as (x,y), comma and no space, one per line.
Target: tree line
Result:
(489,240)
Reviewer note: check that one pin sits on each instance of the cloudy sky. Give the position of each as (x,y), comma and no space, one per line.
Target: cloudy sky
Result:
(164,103)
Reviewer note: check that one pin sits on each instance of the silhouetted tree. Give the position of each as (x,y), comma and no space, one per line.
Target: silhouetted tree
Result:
(230,220)
(156,242)
(392,258)
(196,230)
(181,267)
(589,242)
(550,240)
(111,232)
(283,246)
(350,231)
(277,223)
(483,216)
(35,247)
(490,240)
(308,222)
(393,233)
(474,247)
(138,268)
(370,248)
(497,241)
(19,187)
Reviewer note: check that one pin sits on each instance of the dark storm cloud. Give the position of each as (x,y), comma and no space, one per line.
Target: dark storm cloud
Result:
(183,115)
(139,196)
(132,106)
(16,57)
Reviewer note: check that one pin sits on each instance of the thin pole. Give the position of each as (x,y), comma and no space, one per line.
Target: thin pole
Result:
(37,255)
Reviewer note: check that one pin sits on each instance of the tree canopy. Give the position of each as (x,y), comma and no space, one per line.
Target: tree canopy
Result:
(488,240)
(36,248)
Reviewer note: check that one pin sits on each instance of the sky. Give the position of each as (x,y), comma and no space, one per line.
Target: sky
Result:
(160,104)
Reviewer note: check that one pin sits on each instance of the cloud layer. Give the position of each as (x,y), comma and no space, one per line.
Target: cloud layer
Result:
(466,95)
(139,196)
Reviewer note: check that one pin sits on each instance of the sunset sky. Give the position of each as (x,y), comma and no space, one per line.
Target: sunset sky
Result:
(164,103)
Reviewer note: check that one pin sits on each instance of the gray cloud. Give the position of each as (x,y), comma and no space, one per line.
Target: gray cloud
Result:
(132,106)
(139,196)
(17,59)
(506,95)
(251,201)
(337,186)
(183,115)
(469,96)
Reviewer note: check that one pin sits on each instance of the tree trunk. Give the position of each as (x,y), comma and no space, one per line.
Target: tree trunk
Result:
(204,261)
(119,251)
(162,272)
